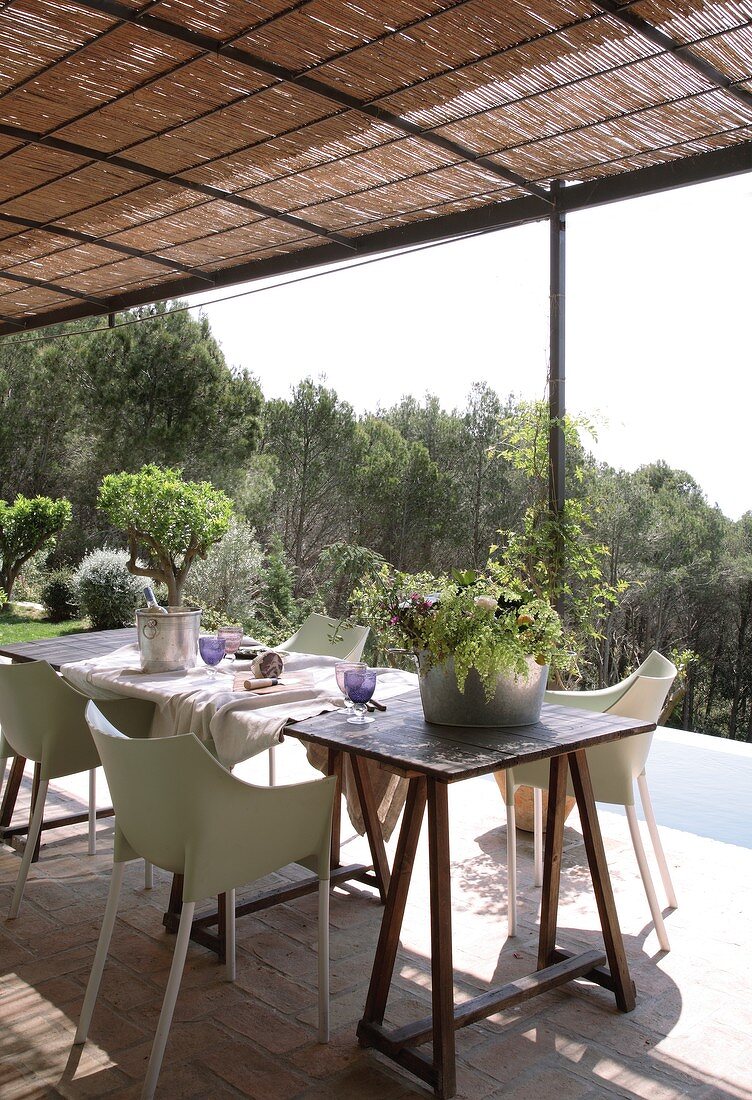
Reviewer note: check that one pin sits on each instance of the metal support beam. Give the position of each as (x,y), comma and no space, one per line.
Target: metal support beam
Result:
(556,368)
(702,167)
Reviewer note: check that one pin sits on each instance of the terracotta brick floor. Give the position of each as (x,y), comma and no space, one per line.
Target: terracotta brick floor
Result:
(688,1037)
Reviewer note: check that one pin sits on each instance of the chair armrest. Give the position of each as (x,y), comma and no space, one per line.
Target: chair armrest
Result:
(601,699)
(246,832)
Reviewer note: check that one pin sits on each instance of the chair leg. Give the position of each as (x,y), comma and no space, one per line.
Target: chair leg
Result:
(647,882)
(511,866)
(170,997)
(148,875)
(660,855)
(230,936)
(538,836)
(100,958)
(92,811)
(272,767)
(30,847)
(324,961)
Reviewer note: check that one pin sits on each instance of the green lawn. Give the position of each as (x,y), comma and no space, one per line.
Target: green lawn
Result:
(21,625)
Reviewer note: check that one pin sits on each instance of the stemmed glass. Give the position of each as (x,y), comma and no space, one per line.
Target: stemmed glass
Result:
(340,669)
(360,686)
(212,651)
(233,637)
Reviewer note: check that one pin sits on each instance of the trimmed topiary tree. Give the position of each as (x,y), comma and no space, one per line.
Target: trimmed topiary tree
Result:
(27,525)
(169,522)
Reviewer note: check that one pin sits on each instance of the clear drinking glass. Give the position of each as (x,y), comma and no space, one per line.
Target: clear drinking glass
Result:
(360,686)
(233,636)
(340,669)
(212,651)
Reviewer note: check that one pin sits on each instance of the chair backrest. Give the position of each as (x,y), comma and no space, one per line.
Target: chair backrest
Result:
(42,718)
(614,766)
(644,698)
(176,806)
(327,637)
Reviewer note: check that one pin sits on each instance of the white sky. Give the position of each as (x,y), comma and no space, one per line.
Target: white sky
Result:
(658,329)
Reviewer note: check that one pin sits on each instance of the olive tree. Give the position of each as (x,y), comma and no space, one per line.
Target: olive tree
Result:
(168,522)
(27,525)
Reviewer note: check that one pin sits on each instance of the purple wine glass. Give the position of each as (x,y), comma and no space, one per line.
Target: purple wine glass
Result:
(339,671)
(212,651)
(360,687)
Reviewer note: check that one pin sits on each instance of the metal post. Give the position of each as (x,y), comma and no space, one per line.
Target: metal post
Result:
(556,370)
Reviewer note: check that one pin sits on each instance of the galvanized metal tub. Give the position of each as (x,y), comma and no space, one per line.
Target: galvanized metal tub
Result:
(516,702)
(168,643)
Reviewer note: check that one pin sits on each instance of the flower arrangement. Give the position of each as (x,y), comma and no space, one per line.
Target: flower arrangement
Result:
(484,619)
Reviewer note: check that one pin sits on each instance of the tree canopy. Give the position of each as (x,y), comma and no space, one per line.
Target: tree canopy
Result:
(167,520)
(27,526)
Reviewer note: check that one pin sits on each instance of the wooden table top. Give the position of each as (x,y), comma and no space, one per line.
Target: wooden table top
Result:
(402,739)
(71,647)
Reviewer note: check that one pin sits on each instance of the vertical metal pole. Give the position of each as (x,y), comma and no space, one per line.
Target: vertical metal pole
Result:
(556,372)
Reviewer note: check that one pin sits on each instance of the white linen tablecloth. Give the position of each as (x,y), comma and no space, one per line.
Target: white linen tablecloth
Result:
(240,724)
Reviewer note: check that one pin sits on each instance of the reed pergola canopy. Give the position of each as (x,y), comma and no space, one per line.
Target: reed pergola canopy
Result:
(152,149)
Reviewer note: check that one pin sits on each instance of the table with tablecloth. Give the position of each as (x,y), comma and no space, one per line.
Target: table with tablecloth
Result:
(238,725)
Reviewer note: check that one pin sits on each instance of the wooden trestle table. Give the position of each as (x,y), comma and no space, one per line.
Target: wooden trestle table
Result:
(432,757)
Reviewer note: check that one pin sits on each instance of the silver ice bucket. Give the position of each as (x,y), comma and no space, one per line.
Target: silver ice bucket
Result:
(168,643)
(516,702)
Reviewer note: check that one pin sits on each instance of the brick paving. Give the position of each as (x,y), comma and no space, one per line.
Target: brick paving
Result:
(688,1037)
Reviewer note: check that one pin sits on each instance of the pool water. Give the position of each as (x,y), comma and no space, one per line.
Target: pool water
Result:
(701,785)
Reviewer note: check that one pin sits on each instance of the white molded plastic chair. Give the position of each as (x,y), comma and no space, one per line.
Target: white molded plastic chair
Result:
(327,637)
(323,637)
(613,768)
(43,719)
(177,807)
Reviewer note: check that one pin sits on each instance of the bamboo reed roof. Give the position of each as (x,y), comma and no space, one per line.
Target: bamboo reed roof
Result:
(151,148)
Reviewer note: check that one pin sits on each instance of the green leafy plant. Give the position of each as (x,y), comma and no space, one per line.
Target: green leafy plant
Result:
(27,526)
(556,554)
(60,596)
(168,521)
(484,619)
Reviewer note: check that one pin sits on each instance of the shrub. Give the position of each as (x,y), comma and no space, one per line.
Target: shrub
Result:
(107,592)
(30,581)
(60,596)
(228,581)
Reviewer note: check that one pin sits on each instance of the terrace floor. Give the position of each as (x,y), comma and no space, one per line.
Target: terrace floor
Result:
(688,1037)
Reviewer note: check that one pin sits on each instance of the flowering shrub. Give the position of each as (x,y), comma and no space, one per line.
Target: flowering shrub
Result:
(484,620)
